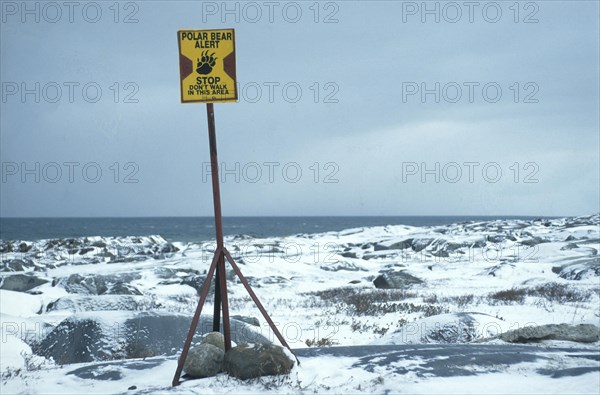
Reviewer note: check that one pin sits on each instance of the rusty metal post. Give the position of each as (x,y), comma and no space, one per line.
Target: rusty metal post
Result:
(220,278)
(224,302)
(217,307)
(214,171)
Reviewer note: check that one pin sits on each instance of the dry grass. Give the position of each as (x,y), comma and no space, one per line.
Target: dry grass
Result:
(552,292)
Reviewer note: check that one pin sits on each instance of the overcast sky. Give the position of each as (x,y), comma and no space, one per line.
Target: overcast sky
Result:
(346,108)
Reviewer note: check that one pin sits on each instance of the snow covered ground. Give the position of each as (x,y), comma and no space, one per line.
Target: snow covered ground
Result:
(403,306)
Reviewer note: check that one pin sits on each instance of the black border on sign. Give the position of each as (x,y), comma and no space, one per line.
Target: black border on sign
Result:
(235,85)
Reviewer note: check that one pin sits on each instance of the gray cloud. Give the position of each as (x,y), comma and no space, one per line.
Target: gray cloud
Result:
(352,132)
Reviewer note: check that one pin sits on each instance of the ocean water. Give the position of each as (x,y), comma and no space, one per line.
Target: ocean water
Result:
(195,229)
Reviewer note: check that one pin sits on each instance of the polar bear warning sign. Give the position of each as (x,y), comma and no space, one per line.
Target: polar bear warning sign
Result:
(207,65)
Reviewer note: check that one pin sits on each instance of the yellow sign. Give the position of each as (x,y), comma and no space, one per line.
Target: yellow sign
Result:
(207,65)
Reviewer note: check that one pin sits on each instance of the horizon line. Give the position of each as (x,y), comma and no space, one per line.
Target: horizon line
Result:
(301,216)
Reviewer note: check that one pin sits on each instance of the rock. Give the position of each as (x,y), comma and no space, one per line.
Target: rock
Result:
(216,339)
(204,360)
(569,246)
(583,333)
(579,269)
(450,246)
(164,272)
(393,245)
(95,284)
(533,241)
(73,341)
(402,245)
(193,278)
(85,250)
(86,337)
(106,254)
(447,328)
(110,249)
(349,254)
(498,238)
(441,253)
(78,284)
(166,248)
(121,288)
(274,280)
(6,246)
(380,247)
(99,284)
(250,361)
(395,280)
(253,281)
(420,244)
(21,282)
(83,303)
(379,255)
(194,281)
(14,265)
(248,320)
(89,336)
(23,247)
(342,265)
(478,243)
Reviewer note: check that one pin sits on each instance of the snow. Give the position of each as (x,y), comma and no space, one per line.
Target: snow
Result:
(12,350)
(315,288)
(19,304)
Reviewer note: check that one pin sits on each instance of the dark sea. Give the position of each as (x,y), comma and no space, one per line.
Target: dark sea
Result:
(195,229)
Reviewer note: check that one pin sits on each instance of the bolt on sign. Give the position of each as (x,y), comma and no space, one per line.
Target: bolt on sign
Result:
(207,65)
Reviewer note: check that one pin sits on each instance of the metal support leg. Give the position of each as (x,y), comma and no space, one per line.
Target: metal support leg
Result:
(203,294)
(237,271)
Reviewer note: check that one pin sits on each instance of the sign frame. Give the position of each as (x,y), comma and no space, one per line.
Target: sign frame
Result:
(227,68)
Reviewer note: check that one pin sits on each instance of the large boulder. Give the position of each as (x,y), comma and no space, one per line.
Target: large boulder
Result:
(100,284)
(6,246)
(216,339)
(16,265)
(395,280)
(78,284)
(447,328)
(248,320)
(83,303)
(109,335)
(583,333)
(204,360)
(402,245)
(190,277)
(255,360)
(21,282)
(535,240)
(421,244)
(24,247)
(121,288)
(579,269)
